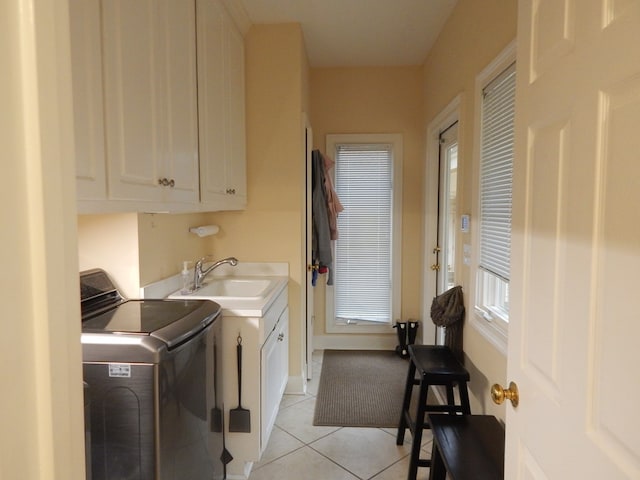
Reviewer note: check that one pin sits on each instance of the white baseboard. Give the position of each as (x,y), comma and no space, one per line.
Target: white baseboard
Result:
(355,342)
(243,472)
(296,385)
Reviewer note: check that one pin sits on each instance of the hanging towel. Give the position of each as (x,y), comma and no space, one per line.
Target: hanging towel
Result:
(321,235)
(334,207)
(447,310)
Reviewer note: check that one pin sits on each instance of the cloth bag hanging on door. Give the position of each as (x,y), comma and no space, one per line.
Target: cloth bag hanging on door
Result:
(447,310)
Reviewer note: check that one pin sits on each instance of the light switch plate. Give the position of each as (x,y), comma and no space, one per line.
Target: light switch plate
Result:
(464,223)
(466,254)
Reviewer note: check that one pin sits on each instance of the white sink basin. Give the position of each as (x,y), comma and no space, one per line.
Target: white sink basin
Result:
(233,287)
(225,289)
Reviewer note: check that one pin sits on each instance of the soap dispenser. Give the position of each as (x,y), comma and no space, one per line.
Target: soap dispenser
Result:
(186,278)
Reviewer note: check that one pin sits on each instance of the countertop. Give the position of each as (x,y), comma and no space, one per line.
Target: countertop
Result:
(276,272)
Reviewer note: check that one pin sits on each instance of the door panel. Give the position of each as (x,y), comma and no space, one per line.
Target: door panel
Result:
(575,252)
(615,331)
(447,208)
(308,138)
(445,252)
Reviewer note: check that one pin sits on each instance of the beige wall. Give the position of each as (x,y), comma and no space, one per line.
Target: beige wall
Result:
(41,434)
(378,100)
(138,249)
(110,242)
(272,226)
(473,36)
(165,242)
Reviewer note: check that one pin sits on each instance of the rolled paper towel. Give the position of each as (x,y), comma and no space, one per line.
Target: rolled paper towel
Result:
(205,230)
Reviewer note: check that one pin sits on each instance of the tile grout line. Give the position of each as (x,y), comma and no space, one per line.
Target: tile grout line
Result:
(334,462)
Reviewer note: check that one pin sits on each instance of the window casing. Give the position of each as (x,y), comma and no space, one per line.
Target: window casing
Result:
(365,296)
(495,90)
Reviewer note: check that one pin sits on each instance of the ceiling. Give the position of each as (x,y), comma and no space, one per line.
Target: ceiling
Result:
(354,33)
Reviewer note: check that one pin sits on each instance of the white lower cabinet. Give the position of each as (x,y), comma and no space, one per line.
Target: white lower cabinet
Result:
(265,371)
(275,368)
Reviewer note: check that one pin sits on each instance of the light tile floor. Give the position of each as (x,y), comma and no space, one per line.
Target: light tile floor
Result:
(298,450)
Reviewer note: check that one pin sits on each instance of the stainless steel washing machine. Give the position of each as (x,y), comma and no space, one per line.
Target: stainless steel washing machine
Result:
(152,383)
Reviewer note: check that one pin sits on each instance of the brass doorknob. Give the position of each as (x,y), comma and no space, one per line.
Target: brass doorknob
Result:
(435,267)
(499,394)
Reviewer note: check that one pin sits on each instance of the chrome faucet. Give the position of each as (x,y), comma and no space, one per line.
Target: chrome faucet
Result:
(199,274)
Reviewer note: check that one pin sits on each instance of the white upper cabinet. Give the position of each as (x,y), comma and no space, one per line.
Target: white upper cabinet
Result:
(221,108)
(84,22)
(158,126)
(149,57)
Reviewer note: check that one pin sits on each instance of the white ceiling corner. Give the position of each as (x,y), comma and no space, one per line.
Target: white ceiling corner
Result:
(239,14)
(358,32)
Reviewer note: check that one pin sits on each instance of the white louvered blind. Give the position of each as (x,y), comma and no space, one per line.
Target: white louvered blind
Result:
(496,173)
(363,251)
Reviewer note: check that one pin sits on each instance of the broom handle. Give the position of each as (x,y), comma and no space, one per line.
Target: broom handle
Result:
(239,350)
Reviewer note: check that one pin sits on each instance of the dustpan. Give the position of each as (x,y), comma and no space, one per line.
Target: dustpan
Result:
(239,418)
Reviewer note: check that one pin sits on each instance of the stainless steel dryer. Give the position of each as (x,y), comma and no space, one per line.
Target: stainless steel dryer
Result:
(151,370)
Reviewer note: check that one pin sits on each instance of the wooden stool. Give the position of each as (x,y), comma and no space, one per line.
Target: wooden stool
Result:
(436,365)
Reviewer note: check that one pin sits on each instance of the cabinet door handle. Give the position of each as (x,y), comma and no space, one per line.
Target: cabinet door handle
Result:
(231,191)
(281,337)
(165,182)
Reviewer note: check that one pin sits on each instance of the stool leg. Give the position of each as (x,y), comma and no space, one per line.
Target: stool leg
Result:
(408,389)
(451,399)
(464,398)
(417,432)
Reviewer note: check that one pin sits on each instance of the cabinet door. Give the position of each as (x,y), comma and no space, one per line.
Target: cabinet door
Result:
(237,170)
(275,372)
(180,144)
(131,37)
(86,76)
(221,108)
(283,365)
(150,99)
(211,101)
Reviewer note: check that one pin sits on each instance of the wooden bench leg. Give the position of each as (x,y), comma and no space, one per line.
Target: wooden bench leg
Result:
(437,470)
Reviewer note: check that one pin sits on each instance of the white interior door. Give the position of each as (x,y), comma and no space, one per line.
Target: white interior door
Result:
(576,242)
(309,256)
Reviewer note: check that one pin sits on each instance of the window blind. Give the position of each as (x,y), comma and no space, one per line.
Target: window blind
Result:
(363,251)
(496,173)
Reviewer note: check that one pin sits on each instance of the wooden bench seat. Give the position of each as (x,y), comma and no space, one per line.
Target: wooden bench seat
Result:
(467,447)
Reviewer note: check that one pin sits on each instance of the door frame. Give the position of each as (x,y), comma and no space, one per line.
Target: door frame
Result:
(307,234)
(447,116)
